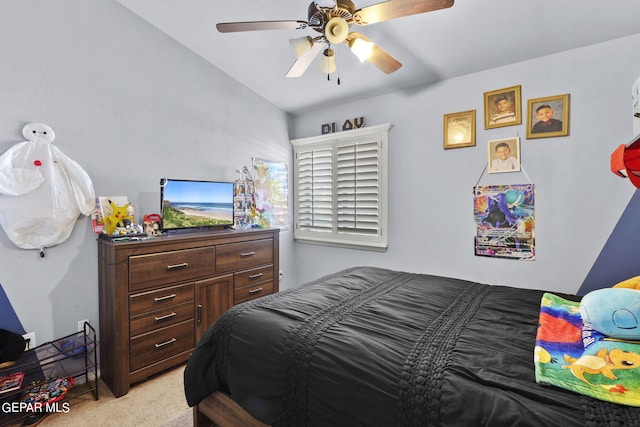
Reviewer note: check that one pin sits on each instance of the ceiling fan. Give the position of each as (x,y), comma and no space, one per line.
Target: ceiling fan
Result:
(332,19)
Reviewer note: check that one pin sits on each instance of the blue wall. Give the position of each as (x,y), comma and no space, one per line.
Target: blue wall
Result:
(8,318)
(620,256)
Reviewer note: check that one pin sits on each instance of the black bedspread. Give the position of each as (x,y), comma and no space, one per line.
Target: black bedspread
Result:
(374,347)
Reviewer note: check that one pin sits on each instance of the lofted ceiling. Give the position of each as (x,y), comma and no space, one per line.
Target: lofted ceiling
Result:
(471,36)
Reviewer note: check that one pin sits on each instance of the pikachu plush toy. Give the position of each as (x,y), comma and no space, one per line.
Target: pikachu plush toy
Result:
(120,217)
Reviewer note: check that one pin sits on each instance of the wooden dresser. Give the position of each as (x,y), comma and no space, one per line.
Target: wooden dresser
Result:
(158,296)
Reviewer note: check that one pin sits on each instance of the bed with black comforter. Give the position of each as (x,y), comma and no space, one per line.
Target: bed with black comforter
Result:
(374,347)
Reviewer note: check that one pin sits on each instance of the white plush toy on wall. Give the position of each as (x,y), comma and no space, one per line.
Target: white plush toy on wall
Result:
(42,191)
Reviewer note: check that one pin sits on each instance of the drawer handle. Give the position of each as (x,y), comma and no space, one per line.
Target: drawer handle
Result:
(255,276)
(256,290)
(246,254)
(165,317)
(162,344)
(160,299)
(177,266)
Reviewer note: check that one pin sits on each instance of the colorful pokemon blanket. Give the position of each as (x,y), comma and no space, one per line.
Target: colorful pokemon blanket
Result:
(570,355)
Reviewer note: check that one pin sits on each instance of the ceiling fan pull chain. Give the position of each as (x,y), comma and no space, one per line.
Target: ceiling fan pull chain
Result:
(339,68)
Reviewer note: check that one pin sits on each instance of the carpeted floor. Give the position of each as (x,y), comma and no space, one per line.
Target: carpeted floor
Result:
(157,402)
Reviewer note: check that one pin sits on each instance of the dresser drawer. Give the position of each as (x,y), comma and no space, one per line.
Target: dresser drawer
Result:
(250,292)
(251,277)
(160,299)
(162,268)
(160,344)
(238,256)
(161,318)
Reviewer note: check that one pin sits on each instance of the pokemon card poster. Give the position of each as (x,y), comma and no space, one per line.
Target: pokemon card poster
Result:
(505,221)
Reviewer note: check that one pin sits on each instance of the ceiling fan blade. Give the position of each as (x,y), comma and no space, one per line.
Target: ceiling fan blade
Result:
(232,27)
(378,57)
(383,60)
(393,9)
(300,66)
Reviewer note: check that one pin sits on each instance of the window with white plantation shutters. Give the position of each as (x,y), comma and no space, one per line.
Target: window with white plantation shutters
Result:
(340,190)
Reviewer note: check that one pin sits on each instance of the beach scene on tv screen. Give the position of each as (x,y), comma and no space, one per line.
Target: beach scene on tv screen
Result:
(191,204)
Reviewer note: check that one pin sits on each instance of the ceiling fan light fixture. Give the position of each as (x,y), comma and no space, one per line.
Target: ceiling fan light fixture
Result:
(328,62)
(361,48)
(336,30)
(301,45)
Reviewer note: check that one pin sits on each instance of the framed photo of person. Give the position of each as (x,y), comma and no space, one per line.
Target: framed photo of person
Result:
(548,116)
(502,107)
(460,129)
(504,155)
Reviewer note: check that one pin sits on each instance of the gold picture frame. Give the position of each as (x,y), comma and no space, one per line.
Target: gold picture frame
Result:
(502,107)
(460,129)
(548,117)
(503,155)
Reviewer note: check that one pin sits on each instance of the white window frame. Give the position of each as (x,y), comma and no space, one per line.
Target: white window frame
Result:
(321,152)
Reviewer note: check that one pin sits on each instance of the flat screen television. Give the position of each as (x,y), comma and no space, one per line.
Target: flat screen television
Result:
(188,204)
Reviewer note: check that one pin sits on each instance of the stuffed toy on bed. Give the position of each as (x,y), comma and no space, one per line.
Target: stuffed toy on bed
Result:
(600,355)
(633,283)
(614,311)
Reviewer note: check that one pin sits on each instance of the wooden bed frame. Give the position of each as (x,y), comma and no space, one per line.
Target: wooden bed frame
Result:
(220,410)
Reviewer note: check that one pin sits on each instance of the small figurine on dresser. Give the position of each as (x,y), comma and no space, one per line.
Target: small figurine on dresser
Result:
(245,212)
(116,217)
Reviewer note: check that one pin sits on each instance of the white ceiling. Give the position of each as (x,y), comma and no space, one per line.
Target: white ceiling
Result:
(471,36)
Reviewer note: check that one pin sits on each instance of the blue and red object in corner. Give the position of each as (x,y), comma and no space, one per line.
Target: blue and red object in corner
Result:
(625,161)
